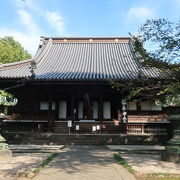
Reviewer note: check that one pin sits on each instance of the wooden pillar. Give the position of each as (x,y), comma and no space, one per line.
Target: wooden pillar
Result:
(142,128)
(101,108)
(50,115)
(73,106)
(37,108)
(138,108)
(119,108)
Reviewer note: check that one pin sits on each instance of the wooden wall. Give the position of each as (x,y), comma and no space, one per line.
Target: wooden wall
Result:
(29,97)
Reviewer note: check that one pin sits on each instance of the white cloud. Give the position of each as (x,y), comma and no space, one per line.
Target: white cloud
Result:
(139,14)
(56,21)
(28,21)
(27,11)
(53,18)
(29,38)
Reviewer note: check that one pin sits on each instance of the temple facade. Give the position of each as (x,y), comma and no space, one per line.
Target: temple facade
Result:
(65,88)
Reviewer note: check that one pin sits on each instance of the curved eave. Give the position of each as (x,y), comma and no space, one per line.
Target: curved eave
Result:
(21,69)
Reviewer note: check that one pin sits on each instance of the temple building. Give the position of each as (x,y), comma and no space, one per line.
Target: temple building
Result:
(65,87)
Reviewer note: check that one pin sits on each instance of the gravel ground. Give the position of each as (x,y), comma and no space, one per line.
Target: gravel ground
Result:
(145,159)
(144,163)
(150,163)
(20,163)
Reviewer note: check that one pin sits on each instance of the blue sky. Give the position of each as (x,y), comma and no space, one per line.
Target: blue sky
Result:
(27,20)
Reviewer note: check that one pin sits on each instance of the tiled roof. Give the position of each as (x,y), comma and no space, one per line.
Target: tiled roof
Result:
(80,59)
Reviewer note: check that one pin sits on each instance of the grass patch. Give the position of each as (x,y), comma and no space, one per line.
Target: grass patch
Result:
(123,163)
(158,176)
(45,162)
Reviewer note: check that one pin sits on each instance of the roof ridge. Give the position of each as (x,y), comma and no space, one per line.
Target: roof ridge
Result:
(75,42)
(85,37)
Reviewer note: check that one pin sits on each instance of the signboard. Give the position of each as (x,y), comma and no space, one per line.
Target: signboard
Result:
(93,128)
(69,123)
(77,127)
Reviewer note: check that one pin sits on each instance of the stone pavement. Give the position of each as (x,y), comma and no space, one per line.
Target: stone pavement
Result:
(84,163)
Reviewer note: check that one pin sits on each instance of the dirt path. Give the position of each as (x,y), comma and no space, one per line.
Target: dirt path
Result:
(84,163)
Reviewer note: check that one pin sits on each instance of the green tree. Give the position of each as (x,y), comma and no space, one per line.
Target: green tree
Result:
(12,51)
(162,38)
(162,41)
(156,46)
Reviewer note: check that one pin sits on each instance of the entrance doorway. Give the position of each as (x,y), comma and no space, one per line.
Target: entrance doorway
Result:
(88,110)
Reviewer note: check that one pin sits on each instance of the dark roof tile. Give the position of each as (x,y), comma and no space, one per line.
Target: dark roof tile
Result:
(80,61)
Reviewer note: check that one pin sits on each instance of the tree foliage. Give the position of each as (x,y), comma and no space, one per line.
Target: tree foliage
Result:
(12,51)
(157,45)
(6,100)
(165,36)
(163,39)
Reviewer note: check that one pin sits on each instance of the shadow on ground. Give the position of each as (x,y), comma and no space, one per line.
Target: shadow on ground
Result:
(74,159)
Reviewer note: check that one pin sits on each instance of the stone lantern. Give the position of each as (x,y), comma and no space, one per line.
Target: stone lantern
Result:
(172,148)
(5,103)
(4,150)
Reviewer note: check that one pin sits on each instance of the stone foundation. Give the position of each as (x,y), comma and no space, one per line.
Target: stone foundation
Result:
(170,157)
(5,155)
(84,139)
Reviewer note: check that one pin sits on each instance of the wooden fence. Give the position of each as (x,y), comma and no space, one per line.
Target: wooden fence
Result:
(147,128)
